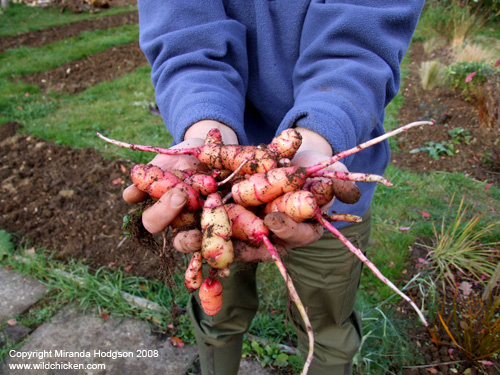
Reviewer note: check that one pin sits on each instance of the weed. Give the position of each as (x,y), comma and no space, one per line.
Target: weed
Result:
(266,354)
(459,135)
(436,149)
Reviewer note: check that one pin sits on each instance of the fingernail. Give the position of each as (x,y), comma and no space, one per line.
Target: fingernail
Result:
(177,200)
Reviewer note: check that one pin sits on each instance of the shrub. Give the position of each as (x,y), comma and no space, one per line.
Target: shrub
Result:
(456,74)
(480,84)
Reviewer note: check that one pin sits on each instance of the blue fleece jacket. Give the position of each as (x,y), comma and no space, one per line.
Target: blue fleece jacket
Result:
(263,66)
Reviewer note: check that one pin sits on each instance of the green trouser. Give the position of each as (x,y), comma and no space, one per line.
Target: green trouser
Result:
(326,275)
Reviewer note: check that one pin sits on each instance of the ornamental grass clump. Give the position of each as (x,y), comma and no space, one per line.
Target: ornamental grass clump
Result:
(459,248)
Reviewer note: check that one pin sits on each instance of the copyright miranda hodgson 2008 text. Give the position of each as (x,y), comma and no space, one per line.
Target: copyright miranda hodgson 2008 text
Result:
(95,353)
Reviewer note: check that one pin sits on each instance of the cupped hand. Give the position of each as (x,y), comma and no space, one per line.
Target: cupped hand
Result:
(158,216)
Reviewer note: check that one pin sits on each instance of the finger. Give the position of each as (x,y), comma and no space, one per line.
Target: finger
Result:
(188,242)
(133,195)
(157,217)
(296,234)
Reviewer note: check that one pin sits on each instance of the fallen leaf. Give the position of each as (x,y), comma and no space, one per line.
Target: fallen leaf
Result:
(465,287)
(466,371)
(432,370)
(488,186)
(450,353)
(470,76)
(9,267)
(12,322)
(117,181)
(123,169)
(423,261)
(408,182)
(177,342)
(20,108)
(425,214)
(127,268)
(486,363)
(391,264)
(497,63)
(105,315)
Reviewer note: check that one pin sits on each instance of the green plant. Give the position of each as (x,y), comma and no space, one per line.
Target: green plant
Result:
(6,245)
(266,354)
(459,247)
(452,20)
(473,325)
(480,84)
(436,149)
(459,135)
(456,75)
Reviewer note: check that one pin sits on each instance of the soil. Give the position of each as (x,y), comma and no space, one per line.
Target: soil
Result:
(78,75)
(42,37)
(69,200)
(478,158)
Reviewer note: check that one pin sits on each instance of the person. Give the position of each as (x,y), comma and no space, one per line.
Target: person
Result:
(252,69)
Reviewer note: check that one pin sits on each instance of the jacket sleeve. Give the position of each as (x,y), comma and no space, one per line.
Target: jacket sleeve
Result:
(348,68)
(199,62)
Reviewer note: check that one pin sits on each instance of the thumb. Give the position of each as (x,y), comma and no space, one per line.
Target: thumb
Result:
(157,217)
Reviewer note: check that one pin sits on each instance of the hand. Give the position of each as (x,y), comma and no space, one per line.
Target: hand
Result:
(158,216)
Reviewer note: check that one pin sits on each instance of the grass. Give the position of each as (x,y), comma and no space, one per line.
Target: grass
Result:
(117,109)
(28,60)
(459,247)
(18,18)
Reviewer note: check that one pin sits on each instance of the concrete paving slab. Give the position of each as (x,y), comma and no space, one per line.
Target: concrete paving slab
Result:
(17,293)
(10,335)
(77,343)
